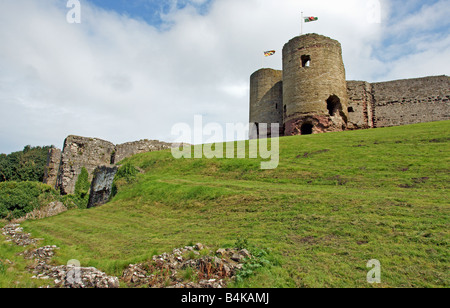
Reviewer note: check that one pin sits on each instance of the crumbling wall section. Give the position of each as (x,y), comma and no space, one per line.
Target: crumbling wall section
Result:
(129,149)
(63,168)
(101,186)
(360,107)
(81,152)
(52,167)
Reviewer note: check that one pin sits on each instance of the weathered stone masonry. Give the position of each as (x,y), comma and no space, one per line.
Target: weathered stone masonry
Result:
(79,152)
(64,167)
(316,97)
(314,88)
(52,167)
(411,101)
(266,97)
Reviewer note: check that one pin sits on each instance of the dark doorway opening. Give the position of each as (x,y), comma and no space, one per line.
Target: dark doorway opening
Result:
(307,129)
(334,105)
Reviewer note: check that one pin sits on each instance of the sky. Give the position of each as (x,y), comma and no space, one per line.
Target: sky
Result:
(131,70)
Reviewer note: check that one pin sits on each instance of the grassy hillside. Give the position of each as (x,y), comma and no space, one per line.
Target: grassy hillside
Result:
(335,202)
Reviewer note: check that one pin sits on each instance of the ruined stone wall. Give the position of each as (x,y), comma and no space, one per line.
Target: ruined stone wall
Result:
(314,85)
(101,186)
(78,152)
(81,152)
(360,105)
(266,98)
(411,101)
(129,149)
(52,167)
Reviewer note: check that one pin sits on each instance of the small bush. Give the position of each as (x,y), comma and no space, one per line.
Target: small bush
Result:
(82,187)
(127,172)
(26,165)
(241,243)
(259,259)
(20,198)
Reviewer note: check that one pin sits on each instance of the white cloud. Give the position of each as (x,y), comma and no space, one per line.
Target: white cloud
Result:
(121,79)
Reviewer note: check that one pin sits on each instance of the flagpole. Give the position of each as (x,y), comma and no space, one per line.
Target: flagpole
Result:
(301,33)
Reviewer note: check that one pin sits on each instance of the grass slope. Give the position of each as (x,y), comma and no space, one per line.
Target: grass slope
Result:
(335,202)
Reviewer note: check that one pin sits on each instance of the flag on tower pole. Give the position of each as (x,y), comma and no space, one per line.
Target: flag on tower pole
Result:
(308,19)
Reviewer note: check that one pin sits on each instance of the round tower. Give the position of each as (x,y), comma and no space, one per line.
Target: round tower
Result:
(315,98)
(266,98)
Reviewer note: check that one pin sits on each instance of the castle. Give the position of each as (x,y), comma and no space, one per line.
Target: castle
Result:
(311,94)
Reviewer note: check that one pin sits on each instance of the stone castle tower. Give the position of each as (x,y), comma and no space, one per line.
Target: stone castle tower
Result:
(314,86)
(266,98)
(311,95)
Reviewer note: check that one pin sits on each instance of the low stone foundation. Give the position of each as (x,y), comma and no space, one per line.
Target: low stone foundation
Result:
(309,124)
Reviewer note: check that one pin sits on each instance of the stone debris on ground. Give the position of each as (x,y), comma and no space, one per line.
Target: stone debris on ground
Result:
(187,267)
(74,277)
(15,234)
(43,254)
(64,276)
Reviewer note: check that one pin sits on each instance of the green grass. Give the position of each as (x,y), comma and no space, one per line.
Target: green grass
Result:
(336,201)
(13,269)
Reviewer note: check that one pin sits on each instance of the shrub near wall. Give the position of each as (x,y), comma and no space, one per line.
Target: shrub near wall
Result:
(20,198)
(82,186)
(27,165)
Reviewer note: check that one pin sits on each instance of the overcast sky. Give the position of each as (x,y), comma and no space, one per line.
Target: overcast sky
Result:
(132,69)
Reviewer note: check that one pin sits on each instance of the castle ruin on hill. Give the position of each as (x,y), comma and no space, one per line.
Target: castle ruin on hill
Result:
(311,95)
(64,167)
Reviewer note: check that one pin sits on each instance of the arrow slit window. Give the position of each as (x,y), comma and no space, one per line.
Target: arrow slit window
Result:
(306,61)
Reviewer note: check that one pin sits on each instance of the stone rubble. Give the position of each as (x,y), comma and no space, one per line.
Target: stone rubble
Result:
(64,276)
(166,270)
(15,234)
(187,267)
(45,253)
(71,276)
